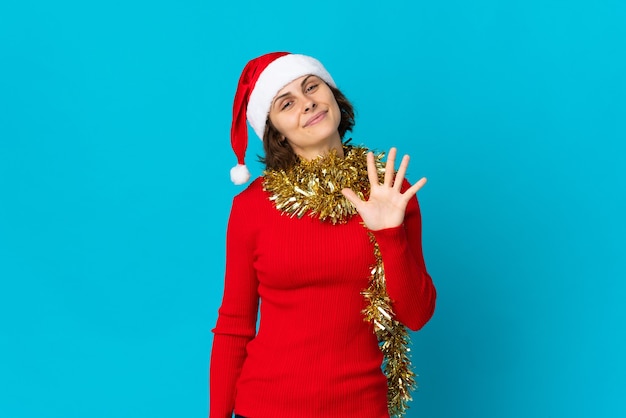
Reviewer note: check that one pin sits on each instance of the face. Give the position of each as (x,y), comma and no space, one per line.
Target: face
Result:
(306,113)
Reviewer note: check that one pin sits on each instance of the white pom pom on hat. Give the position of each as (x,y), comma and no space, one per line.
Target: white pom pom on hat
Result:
(239,174)
(258,84)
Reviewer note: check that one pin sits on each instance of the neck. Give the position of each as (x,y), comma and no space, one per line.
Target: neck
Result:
(311,153)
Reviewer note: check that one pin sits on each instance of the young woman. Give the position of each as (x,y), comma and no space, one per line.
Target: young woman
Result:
(328,243)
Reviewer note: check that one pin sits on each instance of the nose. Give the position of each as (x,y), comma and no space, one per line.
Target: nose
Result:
(310,106)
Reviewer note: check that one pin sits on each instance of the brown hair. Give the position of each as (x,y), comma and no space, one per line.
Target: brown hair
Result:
(278,153)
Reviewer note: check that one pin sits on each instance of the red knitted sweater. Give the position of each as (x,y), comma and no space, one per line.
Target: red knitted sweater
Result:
(313,355)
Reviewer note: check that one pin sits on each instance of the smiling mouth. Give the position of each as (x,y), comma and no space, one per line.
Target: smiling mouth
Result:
(318,117)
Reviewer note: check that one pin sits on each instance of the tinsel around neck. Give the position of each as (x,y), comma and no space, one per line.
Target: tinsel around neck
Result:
(314,186)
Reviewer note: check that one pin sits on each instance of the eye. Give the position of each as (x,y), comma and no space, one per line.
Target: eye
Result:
(311,87)
(286,104)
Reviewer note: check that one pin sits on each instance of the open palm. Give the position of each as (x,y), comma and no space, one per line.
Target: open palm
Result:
(386,204)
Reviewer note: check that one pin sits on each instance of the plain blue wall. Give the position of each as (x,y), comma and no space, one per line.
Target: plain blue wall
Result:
(114,193)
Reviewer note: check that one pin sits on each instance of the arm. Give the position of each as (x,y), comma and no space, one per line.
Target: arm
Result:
(236,323)
(392,214)
(409,285)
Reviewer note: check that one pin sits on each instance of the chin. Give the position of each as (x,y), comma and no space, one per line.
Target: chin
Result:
(327,130)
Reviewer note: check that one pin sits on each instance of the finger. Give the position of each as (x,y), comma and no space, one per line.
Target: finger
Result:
(390,166)
(411,191)
(401,173)
(352,198)
(372,173)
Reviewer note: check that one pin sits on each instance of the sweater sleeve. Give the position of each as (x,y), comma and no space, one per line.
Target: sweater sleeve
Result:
(236,323)
(409,285)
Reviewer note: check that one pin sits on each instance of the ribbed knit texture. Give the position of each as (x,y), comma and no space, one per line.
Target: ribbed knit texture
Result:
(313,355)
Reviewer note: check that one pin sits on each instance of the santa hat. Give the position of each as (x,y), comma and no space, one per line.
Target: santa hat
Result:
(260,80)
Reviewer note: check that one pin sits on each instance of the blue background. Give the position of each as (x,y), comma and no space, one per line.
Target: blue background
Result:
(114,193)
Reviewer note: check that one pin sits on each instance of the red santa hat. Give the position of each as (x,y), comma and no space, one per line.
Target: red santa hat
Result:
(260,80)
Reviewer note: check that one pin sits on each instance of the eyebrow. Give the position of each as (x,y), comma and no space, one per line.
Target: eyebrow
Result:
(288,93)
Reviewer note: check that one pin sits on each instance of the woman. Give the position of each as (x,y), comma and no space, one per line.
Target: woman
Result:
(328,242)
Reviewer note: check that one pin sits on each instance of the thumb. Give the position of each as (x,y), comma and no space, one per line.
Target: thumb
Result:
(352,197)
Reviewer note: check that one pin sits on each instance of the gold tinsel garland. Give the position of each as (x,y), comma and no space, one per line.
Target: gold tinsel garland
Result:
(314,188)
(393,339)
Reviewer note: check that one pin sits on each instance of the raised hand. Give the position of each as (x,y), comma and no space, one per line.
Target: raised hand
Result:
(386,204)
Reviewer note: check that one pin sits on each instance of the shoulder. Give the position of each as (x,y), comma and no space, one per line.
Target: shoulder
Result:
(247,208)
(253,201)
(253,192)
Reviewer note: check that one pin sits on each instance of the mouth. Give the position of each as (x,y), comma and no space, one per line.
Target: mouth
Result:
(315,118)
